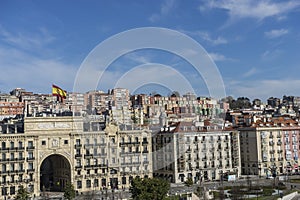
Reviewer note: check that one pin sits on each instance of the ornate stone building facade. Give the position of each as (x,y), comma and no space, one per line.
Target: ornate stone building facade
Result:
(185,151)
(48,152)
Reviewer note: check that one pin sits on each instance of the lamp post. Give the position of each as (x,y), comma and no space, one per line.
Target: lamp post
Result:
(274,175)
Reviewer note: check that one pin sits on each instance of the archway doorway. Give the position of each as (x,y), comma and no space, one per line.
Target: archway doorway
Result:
(55,173)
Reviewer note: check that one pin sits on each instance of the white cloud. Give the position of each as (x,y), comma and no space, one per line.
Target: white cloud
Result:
(165,9)
(206,37)
(257,9)
(25,62)
(219,57)
(251,72)
(271,54)
(19,69)
(27,41)
(276,33)
(136,57)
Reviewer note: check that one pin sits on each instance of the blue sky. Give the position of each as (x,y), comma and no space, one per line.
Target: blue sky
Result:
(254,44)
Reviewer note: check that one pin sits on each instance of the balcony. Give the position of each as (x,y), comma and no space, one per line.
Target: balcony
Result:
(78,155)
(88,166)
(272,151)
(280,159)
(279,143)
(279,151)
(88,155)
(100,166)
(122,144)
(78,146)
(31,158)
(30,170)
(272,159)
(145,142)
(30,148)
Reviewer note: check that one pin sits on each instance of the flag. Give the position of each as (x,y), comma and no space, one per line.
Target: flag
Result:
(60,93)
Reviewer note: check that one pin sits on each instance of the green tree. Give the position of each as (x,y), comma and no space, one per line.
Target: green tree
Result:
(22,194)
(189,182)
(149,188)
(69,191)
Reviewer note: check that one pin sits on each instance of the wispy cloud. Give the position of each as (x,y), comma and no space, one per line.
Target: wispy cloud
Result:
(276,33)
(25,40)
(271,54)
(219,57)
(251,72)
(29,59)
(257,9)
(138,58)
(165,9)
(33,73)
(206,37)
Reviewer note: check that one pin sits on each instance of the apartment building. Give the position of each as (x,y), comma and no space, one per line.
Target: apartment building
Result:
(270,145)
(183,151)
(44,153)
(120,106)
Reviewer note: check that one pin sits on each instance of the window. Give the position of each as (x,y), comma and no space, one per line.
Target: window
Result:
(12,156)
(30,143)
(12,167)
(77,141)
(30,155)
(12,189)
(3,156)
(20,145)
(124,180)
(20,166)
(88,183)
(78,163)
(3,145)
(66,141)
(12,145)
(96,183)
(43,142)
(30,166)
(3,167)
(79,184)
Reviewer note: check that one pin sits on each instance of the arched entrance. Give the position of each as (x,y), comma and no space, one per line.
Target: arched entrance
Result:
(55,173)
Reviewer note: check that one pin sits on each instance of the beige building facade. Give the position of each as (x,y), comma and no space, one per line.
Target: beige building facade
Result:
(185,151)
(51,151)
(270,147)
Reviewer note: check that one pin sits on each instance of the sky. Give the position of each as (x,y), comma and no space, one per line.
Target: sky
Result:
(254,45)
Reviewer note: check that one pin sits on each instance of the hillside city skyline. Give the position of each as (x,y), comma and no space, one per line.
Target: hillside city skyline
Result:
(151,93)
(254,44)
